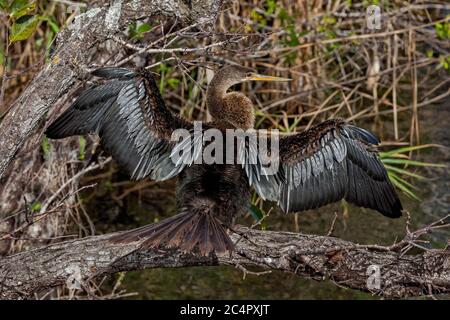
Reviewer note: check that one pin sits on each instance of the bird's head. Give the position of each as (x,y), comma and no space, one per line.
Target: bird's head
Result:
(233,107)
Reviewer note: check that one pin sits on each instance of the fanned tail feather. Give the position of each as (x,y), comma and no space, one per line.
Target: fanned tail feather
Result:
(185,231)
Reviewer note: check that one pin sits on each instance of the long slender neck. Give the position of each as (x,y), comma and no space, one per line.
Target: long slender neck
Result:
(233,108)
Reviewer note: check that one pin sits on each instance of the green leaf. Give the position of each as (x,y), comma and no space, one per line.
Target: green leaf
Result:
(23,28)
(173,82)
(406,149)
(162,82)
(163,67)
(20,8)
(404,182)
(138,31)
(51,23)
(82,148)
(132,29)
(271,6)
(402,185)
(17,4)
(35,207)
(284,17)
(256,212)
(4,5)
(404,172)
(143,28)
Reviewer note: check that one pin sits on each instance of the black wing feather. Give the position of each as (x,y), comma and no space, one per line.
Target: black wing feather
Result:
(329,162)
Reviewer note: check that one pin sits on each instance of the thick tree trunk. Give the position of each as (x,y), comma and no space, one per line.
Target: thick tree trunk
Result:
(74,47)
(383,272)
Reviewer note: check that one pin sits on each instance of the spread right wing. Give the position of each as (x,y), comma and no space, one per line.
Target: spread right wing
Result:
(326,163)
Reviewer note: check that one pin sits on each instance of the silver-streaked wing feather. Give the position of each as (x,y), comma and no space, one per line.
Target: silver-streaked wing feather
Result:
(129,114)
(326,163)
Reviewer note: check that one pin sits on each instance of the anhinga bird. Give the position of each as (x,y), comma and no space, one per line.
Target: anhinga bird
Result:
(324,164)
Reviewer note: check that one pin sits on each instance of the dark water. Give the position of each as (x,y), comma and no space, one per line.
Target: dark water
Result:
(436,202)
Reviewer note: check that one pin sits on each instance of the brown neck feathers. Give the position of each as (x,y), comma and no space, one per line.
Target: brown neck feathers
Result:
(233,108)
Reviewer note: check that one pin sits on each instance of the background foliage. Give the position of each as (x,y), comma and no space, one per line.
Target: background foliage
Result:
(381,79)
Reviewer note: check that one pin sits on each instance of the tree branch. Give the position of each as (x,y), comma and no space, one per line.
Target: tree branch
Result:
(310,256)
(74,47)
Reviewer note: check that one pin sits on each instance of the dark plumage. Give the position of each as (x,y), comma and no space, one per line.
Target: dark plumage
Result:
(329,162)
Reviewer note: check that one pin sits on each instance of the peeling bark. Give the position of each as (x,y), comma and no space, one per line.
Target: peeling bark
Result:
(310,256)
(74,48)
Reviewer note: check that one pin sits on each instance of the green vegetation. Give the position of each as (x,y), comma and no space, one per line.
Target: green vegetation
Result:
(23,19)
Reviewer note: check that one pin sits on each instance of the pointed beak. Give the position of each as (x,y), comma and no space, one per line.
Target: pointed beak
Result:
(260,77)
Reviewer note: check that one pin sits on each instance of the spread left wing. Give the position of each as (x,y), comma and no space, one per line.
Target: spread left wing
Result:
(326,163)
(129,114)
